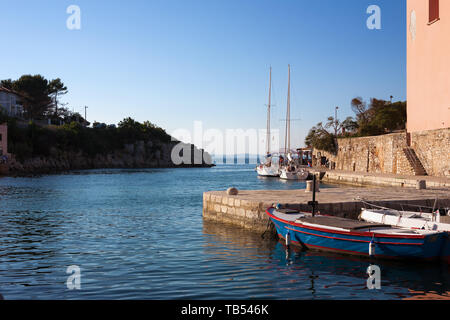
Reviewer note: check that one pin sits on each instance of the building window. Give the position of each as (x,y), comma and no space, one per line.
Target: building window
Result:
(434,11)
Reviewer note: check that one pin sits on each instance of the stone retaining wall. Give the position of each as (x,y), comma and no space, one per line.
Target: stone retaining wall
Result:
(433,149)
(384,153)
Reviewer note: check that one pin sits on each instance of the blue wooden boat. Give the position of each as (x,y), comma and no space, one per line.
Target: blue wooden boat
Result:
(358,238)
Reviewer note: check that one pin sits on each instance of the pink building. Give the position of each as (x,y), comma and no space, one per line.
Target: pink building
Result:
(428,65)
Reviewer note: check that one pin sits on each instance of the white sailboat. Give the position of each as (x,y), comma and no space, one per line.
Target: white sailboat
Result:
(269,168)
(290,170)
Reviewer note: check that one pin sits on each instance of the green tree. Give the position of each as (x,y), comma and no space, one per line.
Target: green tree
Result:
(35,95)
(379,117)
(56,88)
(8,84)
(320,138)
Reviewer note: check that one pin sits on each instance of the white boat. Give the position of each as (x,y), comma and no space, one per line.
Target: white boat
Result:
(406,219)
(293,173)
(302,174)
(288,173)
(269,168)
(267,171)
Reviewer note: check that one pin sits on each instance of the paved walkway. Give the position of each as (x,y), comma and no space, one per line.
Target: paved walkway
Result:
(366,178)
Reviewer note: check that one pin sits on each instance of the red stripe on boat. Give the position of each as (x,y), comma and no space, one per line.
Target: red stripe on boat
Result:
(355,240)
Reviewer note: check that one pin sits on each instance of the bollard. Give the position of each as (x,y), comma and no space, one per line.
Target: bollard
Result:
(421,185)
(309,186)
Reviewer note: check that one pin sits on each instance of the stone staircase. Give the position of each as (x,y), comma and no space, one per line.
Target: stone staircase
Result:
(414,161)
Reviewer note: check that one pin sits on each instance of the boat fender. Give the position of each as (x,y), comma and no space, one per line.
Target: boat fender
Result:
(288,239)
(372,248)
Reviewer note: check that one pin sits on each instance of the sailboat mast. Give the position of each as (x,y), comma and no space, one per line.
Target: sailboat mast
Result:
(289,110)
(268,111)
(287,135)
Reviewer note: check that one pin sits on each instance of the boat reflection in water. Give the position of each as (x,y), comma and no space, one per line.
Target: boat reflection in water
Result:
(266,269)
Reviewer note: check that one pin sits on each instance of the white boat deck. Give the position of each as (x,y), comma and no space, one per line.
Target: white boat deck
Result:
(343,224)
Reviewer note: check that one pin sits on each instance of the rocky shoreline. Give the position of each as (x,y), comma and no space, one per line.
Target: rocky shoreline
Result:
(133,156)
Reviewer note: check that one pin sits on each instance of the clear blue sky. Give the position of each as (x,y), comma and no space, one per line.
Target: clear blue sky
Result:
(174,62)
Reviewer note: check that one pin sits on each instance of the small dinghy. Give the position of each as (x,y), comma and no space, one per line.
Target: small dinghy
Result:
(358,238)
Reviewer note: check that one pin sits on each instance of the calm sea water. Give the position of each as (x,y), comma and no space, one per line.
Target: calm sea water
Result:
(139,234)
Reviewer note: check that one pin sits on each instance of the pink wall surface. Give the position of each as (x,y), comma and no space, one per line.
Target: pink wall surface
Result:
(428,67)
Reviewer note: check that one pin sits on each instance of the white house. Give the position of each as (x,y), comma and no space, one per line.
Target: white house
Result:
(10,102)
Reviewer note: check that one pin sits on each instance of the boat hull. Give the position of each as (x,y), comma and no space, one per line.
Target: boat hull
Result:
(286,175)
(302,175)
(265,171)
(420,247)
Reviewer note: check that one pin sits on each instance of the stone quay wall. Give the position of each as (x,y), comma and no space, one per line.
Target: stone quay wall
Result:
(247,214)
(247,209)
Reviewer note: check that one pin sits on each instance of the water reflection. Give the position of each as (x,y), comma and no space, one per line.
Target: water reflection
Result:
(139,234)
(325,275)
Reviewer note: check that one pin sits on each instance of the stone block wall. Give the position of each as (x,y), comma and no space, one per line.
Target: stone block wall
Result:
(433,149)
(377,154)
(384,153)
(227,209)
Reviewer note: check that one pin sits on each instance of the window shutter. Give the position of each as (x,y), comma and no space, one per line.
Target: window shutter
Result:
(434,10)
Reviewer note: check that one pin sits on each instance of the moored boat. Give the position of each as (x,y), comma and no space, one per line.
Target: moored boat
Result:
(359,238)
(406,219)
(289,169)
(302,174)
(269,168)
(288,173)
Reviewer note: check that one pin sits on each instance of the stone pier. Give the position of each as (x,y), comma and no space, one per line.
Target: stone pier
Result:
(379,179)
(247,209)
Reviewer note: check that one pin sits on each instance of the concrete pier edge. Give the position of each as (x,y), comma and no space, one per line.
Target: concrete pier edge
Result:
(248,208)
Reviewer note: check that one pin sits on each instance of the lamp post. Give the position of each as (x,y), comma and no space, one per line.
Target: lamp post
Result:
(335,121)
(85,114)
